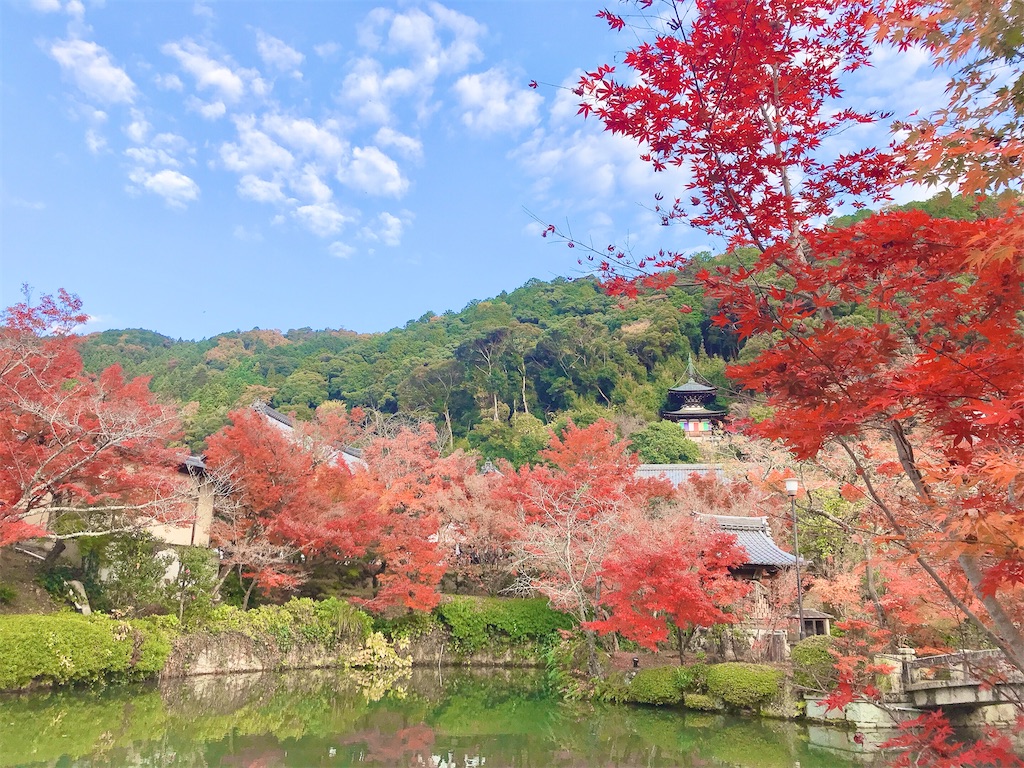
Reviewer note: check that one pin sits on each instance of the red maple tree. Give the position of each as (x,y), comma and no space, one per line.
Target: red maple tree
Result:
(676,569)
(895,341)
(278,491)
(571,512)
(404,514)
(79,454)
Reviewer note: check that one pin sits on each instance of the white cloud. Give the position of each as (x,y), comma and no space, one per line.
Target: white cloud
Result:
(387,229)
(29,205)
(202,10)
(426,44)
(172,142)
(45,6)
(326,50)
(305,136)
(262,191)
(308,185)
(177,189)
(75,9)
(90,67)
(323,219)
(340,250)
(150,156)
(373,172)
(213,110)
(93,115)
(372,90)
(463,50)
(138,129)
(492,104)
(95,141)
(278,55)
(169,83)
(210,74)
(255,151)
(247,235)
(406,145)
(422,36)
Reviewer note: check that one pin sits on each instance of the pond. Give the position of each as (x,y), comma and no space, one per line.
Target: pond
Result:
(494,719)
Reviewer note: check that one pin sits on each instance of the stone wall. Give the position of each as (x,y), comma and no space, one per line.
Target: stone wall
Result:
(209,654)
(436,648)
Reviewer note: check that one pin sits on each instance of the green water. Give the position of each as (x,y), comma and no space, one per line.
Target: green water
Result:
(316,719)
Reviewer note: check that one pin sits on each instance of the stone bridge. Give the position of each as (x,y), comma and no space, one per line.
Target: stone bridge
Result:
(964,679)
(973,688)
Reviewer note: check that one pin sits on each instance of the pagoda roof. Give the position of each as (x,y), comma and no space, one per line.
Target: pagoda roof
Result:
(693,386)
(694,381)
(694,412)
(754,537)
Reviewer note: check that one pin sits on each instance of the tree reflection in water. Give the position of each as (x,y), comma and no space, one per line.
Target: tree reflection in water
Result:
(469,720)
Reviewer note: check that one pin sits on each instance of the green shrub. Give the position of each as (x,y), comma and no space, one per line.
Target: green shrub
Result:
(476,623)
(700,702)
(70,648)
(327,623)
(7,594)
(656,686)
(191,593)
(693,678)
(813,665)
(664,442)
(406,627)
(135,578)
(744,686)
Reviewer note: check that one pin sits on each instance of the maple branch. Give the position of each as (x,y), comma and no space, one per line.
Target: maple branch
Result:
(1006,646)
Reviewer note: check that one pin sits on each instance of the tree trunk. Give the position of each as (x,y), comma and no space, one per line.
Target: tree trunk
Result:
(1011,637)
(448,423)
(248,592)
(220,583)
(51,557)
(869,577)
(592,669)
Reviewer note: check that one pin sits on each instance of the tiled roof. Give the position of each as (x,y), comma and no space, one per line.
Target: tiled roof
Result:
(810,613)
(194,463)
(679,473)
(753,535)
(274,414)
(351,456)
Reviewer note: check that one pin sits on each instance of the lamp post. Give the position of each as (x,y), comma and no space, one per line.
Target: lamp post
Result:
(792,486)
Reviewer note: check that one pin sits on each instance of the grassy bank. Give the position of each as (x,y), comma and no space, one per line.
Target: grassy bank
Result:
(70,649)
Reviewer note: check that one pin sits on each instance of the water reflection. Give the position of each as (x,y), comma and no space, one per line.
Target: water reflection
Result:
(504,718)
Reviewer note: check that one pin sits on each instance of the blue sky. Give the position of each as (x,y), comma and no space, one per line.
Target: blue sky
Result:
(195,168)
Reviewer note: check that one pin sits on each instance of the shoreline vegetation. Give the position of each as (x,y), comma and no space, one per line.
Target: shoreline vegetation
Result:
(70,650)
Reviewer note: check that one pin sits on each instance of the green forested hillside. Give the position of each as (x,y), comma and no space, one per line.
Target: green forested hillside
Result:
(545,350)
(492,376)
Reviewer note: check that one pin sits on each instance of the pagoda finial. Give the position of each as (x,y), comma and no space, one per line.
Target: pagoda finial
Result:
(691,371)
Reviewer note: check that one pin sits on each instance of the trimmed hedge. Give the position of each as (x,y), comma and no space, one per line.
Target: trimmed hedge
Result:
(69,648)
(744,686)
(477,623)
(659,685)
(813,665)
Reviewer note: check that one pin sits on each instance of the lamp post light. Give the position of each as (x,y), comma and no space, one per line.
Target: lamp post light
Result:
(792,486)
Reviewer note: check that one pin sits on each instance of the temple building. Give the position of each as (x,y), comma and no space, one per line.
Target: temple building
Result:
(692,405)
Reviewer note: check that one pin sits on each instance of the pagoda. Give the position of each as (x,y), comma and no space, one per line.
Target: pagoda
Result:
(692,405)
